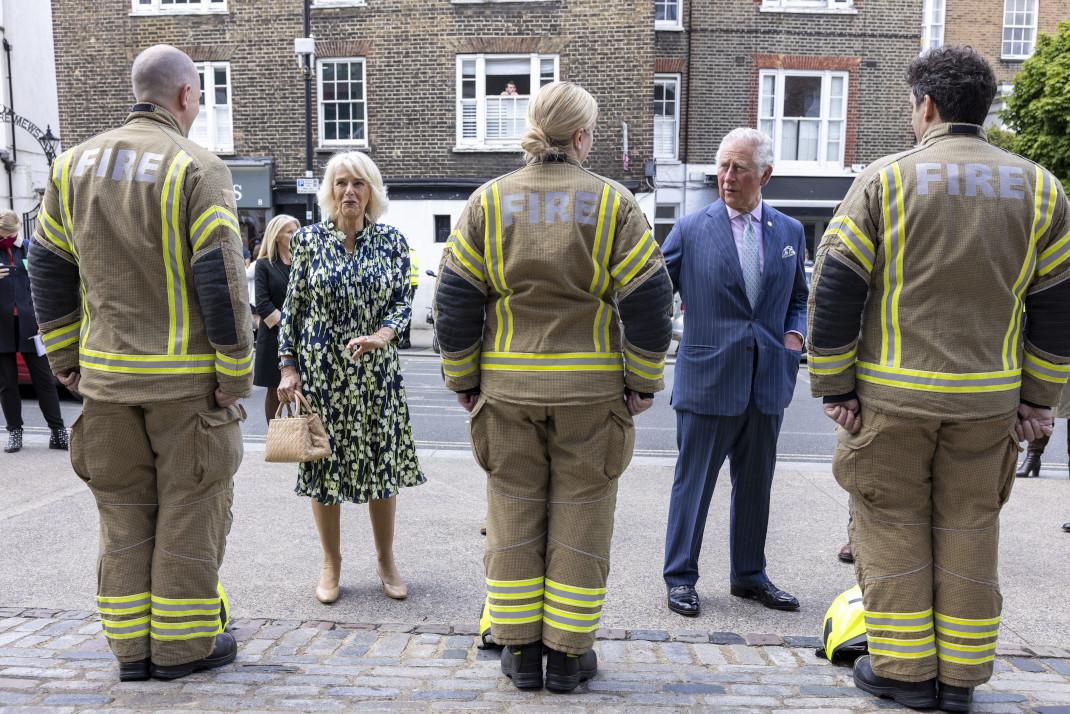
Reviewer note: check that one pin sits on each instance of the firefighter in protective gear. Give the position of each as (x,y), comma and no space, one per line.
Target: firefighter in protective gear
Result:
(414,282)
(542,267)
(938,313)
(140,289)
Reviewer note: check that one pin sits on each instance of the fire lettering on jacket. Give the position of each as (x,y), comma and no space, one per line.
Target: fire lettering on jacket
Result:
(551,207)
(128,165)
(971,180)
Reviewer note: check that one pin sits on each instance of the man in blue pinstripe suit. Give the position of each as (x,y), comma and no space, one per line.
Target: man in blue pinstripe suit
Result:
(738,266)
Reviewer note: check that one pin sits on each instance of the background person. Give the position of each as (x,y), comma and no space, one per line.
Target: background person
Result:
(527,319)
(137,224)
(923,354)
(272,277)
(738,266)
(1031,463)
(345,304)
(18,326)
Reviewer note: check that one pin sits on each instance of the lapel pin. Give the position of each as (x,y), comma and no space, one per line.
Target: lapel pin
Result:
(769,223)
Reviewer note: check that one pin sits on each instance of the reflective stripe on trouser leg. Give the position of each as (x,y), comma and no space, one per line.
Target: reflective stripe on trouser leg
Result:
(589,447)
(198,447)
(509,441)
(885,468)
(110,451)
(973,472)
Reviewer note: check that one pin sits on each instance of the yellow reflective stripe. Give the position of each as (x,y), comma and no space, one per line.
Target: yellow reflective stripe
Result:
(570,621)
(467,255)
(945,382)
(1043,369)
(948,619)
(225,602)
(54,232)
(514,589)
(550,362)
(571,595)
(177,309)
(496,267)
(600,254)
(966,654)
(61,337)
(894,240)
(514,614)
(122,598)
(1041,205)
(206,223)
(643,367)
(65,202)
(185,601)
(233,367)
(125,629)
(147,364)
(132,610)
(831,364)
(186,613)
(185,630)
(461,367)
(863,258)
(514,583)
(862,239)
(636,259)
(574,589)
(1054,256)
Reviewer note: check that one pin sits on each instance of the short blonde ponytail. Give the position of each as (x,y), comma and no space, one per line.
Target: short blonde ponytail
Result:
(558,110)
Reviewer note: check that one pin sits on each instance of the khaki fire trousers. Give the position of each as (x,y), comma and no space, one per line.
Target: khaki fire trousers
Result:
(925,498)
(162,476)
(551,494)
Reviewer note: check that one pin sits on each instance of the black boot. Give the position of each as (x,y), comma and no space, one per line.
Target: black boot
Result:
(564,672)
(1030,467)
(223,652)
(59,439)
(523,665)
(134,671)
(14,440)
(955,699)
(916,695)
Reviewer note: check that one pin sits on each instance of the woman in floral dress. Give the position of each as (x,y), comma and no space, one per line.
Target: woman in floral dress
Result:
(345,304)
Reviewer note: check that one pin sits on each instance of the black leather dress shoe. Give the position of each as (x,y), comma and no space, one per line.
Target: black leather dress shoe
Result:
(223,652)
(683,600)
(916,695)
(1066,527)
(954,699)
(134,671)
(523,665)
(769,595)
(564,672)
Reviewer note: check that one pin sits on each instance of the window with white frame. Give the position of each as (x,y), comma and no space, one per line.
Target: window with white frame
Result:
(665,215)
(666,115)
(177,7)
(1019,28)
(214,127)
(343,106)
(667,14)
(932,24)
(493,92)
(808,5)
(806,114)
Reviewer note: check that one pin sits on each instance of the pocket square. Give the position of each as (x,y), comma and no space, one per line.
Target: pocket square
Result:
(789,252)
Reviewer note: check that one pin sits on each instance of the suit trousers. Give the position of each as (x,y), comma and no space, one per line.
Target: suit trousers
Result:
(704,441)
(925,500)
(43,385)
(162,476)
(551,495)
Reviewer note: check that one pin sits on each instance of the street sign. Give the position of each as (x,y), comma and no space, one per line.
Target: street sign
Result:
(308,185)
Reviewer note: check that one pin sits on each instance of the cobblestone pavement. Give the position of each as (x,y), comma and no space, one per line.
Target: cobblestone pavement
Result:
(58,661)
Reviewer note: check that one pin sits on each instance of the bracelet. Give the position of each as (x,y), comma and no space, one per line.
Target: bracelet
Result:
(287,362)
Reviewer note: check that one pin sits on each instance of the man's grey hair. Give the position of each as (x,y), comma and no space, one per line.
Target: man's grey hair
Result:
(159,72)
(762,143)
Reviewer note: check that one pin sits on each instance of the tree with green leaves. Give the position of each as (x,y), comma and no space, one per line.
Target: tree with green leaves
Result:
(1039,109)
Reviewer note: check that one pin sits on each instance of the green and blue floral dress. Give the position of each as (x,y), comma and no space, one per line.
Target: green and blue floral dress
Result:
(334,296)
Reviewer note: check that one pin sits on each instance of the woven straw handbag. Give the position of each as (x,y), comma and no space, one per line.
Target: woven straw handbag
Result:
(298,436)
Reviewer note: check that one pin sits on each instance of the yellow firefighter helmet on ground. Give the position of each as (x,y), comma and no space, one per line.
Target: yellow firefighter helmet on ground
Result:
(843,633)
(486,642)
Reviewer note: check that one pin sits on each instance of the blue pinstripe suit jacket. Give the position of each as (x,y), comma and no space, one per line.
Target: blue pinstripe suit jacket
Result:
(715,365)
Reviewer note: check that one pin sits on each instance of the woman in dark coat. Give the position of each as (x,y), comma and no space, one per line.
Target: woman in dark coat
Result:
(18,326)
(270,281)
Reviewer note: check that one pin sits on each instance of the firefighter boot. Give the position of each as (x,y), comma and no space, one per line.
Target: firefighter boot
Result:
(523,665)
(223,652)
(955,699)
(134,671)
(564,672)
(916,695)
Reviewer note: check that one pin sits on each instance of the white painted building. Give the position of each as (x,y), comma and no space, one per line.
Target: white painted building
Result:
(29,91)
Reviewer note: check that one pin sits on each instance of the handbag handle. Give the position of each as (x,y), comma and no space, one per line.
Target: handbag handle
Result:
(296,407)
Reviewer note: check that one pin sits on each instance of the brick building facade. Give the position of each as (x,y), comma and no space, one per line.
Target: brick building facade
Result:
(824,78)
(417,84)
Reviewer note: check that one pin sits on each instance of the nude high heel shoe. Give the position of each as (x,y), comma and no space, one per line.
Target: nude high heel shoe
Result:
(327,591)
(397,592)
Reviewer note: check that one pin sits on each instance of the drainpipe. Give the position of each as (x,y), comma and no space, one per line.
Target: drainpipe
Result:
(11,110)
(687,126)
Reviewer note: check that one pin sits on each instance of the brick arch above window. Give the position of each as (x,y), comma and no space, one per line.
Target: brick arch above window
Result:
(507,45)
(816,63)
(207,52)
(343,48)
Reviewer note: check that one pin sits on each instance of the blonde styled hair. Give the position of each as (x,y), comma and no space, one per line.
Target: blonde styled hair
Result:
(558,110)
(9,223)
(361,166)
(269,248)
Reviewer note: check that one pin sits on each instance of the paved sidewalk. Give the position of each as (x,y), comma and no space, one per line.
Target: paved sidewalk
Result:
(58,661)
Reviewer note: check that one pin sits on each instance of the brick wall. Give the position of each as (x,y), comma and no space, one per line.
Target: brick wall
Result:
(730,42)
(409,47)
